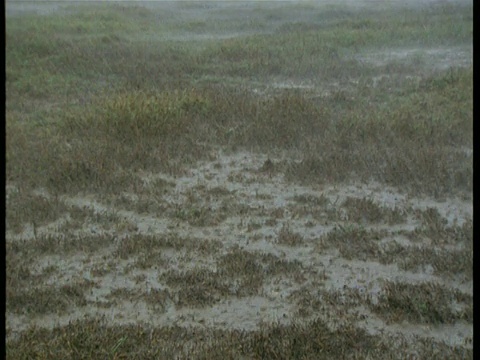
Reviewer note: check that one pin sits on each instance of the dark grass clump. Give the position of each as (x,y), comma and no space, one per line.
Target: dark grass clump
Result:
(100,270)
(288,237)
(157,299)
(24,208)
(199,215)
(95,338)
(64,162)
(358,244)
(366,210)
(354,242)
(245,269)
(346,298)
(300,341)
(409,144)
(197,287)
(307,302)
(63,244)
(444,262)
(273,265)
(423,303)
(148,203)
(435,227)
(100,149)
(135,244)
(151,259)
(19,273)
(47,299)
(242,262)
(312,200)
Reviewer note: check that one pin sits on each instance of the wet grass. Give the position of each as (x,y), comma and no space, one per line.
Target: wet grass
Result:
(353,242)
(153,259)
(435,228)
(24,208)
(356,210)
(361,244)
(136,244)
(307,302)
(94,338)
(367,211)
(197,287)
(62,245)
(239,273)
(243,262)
(444,262)
(168,127)
(423,303)
(287,237)
(200,215)
(47,299)
(156,299)
(98,104)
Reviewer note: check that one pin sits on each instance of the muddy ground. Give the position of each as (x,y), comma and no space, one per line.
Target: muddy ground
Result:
(235,203)
(157,250)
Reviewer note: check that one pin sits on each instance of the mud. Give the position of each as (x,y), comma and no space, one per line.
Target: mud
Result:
(264,194)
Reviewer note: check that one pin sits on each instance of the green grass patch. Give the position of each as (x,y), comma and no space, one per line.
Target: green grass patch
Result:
(92,100)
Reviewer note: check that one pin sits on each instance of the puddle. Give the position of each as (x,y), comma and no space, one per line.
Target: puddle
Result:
(434,58)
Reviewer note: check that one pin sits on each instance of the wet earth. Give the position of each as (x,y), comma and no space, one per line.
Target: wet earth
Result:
(240,203)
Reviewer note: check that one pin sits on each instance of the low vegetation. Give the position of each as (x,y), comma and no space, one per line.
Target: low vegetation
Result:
(204,172)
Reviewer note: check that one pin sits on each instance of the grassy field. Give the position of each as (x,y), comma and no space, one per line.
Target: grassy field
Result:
(240,180)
